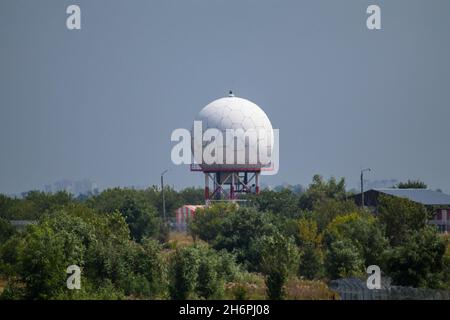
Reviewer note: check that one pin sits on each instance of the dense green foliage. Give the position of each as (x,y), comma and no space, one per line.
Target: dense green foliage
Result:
(263,248)
(412,184)
(34,205)
(6,230)
(334,237)
(401,216)
(279,257)
(200,272)
(419,261)
(99,244)
(309,241)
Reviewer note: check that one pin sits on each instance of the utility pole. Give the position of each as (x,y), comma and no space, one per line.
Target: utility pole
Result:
(162,193)
(362,185)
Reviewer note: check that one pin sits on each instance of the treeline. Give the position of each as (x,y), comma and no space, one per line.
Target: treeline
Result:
(279,244)
(34,204)
(321,234)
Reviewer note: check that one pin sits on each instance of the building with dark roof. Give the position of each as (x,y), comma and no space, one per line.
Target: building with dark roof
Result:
(436,202)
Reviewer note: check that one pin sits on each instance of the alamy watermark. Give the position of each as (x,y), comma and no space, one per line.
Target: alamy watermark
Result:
(74,280)
(251,147)
(73,21)
(374,279)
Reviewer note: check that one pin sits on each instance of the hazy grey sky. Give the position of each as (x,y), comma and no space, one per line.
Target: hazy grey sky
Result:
(101,103)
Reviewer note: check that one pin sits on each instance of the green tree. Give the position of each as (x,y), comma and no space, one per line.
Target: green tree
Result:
(44,259)
(419,261)
(199,272)
(284,202)
(138,210)
(446,265)
(363,231)
(5,206)
(279,259)
(412,184)
(208,221)
(112,265)
(209,283)
(238,231)
(34,205)
(192,196)
(320,190)
(6,230)
(142,220)
(328,209)
(310,246)
(400,216)
(343,259)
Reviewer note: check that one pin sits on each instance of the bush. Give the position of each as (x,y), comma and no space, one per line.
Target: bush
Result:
(320,190)
(279,259)
(209,282)
(310,245)
(419,262)
(363,231)
(311,262)
(183,273)
(98,244)
(297,289)
(238,232)
(400,216)
(136,206)
(343,259)
(208,221)
(6,230)
(34,205)
(246,286)
(198,271)
(282,203)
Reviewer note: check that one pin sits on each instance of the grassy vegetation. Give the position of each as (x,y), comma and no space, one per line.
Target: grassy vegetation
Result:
(252,287)
(179,239)
(299,289)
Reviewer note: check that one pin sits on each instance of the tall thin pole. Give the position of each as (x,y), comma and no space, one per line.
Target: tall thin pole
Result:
(362,185)
(362,189)
(206,186)
(162,193)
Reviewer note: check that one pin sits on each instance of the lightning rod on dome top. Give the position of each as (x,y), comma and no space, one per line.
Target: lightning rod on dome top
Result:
(230,93)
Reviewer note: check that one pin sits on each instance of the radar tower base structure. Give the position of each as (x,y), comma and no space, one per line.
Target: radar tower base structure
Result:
(228,184)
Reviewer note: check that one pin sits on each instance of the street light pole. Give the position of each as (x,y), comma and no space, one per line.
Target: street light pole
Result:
(362,185)
(162,193)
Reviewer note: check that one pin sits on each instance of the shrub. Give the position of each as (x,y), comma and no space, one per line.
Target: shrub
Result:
(198,271)
(364,233)
(419,262)
(279,259)
(6,230)
(297,289)
(343,259)
(310,245)
(400,216)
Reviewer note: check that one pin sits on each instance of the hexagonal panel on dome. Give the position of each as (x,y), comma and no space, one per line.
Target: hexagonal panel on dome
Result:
(248,123)
(236,115)
(225,123)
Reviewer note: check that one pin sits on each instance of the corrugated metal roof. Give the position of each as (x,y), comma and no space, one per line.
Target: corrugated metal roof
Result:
(423,196)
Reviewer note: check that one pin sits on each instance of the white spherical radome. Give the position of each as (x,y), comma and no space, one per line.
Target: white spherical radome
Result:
(237,113)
